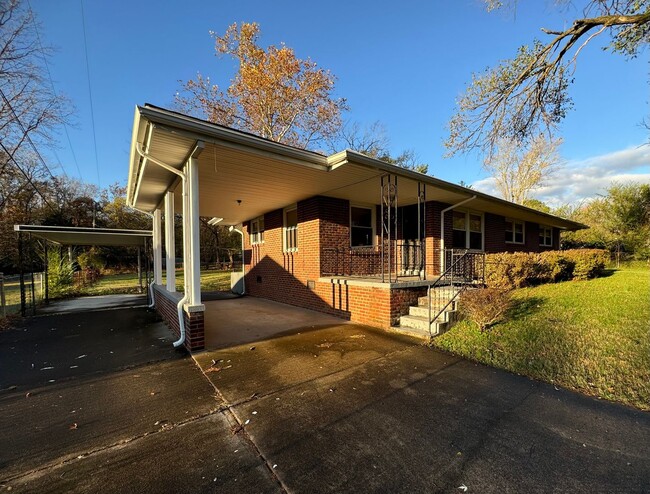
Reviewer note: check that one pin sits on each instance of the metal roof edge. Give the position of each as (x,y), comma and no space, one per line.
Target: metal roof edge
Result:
(360,158)
(80,229)
(214,131)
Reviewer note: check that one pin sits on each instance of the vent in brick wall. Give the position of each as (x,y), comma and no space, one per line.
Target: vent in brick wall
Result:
(311,284)
(259,279)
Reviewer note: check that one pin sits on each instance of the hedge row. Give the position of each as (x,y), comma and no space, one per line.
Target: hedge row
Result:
(518,269)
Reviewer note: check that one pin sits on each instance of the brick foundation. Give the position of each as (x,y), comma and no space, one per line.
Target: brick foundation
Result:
(166,304)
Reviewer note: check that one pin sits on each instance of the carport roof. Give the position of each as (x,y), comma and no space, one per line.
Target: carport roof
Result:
(69,235)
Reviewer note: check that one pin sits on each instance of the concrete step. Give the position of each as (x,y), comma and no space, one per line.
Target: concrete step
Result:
(437,298)
(423,334)
(423,311)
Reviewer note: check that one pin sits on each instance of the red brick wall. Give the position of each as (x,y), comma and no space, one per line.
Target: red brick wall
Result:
(323,224)
(166,306)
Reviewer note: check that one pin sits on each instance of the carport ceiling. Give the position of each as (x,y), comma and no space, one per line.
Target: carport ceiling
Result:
(67,235)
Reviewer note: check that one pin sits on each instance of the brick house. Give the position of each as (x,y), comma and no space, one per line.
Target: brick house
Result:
(344,234)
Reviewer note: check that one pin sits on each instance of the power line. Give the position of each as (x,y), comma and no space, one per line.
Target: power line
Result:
(49,75)
(90,93)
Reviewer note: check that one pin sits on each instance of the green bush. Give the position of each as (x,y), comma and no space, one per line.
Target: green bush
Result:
(557,266)
(91,260)
(519,269)
(511,270)
(588,263)
(60,272)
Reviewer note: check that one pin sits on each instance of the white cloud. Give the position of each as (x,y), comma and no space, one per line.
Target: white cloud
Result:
(580,180)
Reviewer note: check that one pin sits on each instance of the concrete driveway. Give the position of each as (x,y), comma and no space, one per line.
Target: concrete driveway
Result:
(336,409)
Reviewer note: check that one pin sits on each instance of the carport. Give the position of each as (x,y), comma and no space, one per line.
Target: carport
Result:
(80,236)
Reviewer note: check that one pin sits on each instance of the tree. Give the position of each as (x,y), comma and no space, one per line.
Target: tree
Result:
(274,94)
(538,205)
(373,141)
(618,221)
(518,171)
(528,94)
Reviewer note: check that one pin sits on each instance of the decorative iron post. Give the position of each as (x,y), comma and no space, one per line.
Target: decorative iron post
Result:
(422,228)
(388,225)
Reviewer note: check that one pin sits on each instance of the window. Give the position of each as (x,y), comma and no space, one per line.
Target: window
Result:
(362,231)
(545,236)
(257,230)
(291,229)
(514,232)
(467,230)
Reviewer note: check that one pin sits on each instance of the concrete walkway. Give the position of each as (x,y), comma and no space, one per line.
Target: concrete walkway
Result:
(236,321)
(100,402)
(98,302)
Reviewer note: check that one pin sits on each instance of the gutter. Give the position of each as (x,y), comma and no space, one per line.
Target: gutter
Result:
(186,296)
(442,229)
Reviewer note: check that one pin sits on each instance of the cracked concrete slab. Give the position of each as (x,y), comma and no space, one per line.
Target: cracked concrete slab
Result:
(199,456)
(376,414)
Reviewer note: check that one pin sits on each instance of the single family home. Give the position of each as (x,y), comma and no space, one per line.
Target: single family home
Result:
(344,234)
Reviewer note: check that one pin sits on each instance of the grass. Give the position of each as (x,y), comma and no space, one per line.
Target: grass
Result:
(128,283)
(589,336)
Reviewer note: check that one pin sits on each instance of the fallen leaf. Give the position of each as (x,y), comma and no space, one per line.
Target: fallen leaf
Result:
(73,426)
(28,394)
(252,348)
(462,487)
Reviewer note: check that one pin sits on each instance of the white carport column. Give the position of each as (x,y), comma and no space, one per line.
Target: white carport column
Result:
(170,247)
(157,247)
(193,232)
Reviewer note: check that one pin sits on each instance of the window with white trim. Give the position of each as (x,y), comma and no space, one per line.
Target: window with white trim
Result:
(515,231)
(291,229)
(467,229)
(362,229)
(545,236)
(257,230)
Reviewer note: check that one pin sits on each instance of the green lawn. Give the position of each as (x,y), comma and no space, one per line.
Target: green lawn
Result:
(590,336)
(128,283)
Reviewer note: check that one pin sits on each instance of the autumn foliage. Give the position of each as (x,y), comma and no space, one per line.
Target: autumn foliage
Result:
(273,94)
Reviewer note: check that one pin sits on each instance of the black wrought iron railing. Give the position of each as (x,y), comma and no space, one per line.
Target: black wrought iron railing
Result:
(464,269)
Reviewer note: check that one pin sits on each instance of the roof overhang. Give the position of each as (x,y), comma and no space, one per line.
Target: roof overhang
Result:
(242,176)
(68,235)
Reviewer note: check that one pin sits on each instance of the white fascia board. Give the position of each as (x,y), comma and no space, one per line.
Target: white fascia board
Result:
(211,132)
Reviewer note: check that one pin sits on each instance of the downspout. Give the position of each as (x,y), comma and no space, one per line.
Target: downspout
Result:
(442,229)
(186,296)
(243,265)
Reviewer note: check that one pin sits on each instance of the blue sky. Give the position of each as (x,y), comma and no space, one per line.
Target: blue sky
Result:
(402,63)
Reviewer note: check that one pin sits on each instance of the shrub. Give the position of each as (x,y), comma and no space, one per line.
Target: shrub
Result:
(557,266)
(60,272)
(588,263)
(91,260)
(511,270)
(485,307)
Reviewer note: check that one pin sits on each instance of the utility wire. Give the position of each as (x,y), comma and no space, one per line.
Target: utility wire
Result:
(90,93)
(49,75)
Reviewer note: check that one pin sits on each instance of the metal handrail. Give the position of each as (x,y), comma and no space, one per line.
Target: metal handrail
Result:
(449,271)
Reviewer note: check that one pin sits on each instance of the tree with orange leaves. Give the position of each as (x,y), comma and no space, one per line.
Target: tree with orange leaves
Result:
(274,94)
